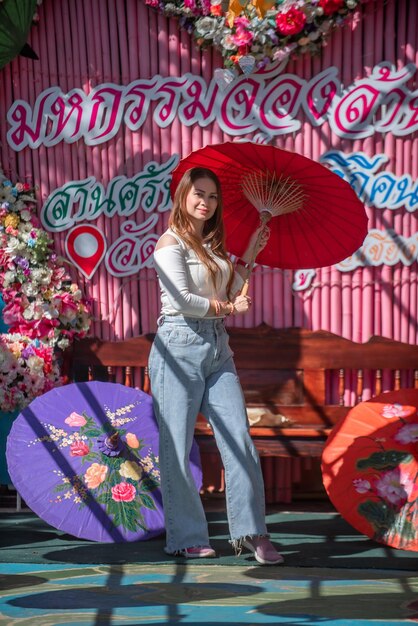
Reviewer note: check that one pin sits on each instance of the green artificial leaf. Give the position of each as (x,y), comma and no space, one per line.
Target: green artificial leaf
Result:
(385,460)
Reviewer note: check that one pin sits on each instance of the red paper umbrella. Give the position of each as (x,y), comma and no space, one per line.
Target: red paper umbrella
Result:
(370,468)
(317,218)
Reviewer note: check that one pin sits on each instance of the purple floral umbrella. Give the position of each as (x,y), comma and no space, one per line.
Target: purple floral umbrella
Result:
(84,457)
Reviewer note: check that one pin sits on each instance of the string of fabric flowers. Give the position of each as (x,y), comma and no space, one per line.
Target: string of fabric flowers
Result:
(250,34)
(44,310)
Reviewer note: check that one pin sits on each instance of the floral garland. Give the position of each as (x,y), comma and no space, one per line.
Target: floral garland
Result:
(250,35)
(44,309)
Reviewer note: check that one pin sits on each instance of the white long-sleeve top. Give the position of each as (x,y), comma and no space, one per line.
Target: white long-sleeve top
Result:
(185,283)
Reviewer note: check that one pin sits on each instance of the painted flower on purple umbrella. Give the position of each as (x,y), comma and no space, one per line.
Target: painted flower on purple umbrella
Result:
(132,440)
(123,492)
(79,448)
(95,475)
(74,419)
(120,481)
(131,469)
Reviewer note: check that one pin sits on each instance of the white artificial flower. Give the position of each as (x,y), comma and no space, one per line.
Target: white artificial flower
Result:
(206,27)
(9,278)
(36,364)
(42,275)
(50,312)
(25,215)
(6,195)
(29,311)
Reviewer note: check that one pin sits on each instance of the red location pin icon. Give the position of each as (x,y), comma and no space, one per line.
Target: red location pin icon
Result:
(85,246)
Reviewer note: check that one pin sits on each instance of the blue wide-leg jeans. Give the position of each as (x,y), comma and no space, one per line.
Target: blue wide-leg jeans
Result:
(192,370)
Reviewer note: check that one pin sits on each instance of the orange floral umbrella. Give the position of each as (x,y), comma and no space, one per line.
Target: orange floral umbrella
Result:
(370,468)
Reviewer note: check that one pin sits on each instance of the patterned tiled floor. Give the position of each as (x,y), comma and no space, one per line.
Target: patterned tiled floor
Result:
(145,595)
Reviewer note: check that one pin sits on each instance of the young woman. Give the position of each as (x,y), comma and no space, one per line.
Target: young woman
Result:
(192,371)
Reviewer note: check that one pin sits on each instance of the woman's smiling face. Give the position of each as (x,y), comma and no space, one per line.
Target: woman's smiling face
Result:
(201,202)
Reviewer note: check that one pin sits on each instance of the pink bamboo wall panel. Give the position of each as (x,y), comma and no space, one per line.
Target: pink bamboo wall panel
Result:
(85,44)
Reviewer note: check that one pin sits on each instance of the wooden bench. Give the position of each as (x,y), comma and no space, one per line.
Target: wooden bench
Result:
(297,384)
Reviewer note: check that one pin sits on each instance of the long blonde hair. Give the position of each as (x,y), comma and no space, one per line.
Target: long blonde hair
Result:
(213,229)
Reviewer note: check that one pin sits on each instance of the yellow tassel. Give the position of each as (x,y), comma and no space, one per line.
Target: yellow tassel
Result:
(235,9)
(262,6)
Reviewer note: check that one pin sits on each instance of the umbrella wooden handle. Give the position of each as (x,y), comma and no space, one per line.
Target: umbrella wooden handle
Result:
(245,287)
(257,247)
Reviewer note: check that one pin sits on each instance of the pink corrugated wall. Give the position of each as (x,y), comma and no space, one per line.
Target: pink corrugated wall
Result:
(84,44)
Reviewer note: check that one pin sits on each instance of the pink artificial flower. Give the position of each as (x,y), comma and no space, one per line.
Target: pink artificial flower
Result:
(123,492)
(242,37)
(12,312)
(291,23)
(75,419)
(11,231)
(190,4)
(67,305)
(241,22)
(79,448)
(45,328)
(35,222)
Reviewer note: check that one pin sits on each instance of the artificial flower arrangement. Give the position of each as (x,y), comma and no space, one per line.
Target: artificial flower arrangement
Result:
(250,35)
(44,310)
(28,368)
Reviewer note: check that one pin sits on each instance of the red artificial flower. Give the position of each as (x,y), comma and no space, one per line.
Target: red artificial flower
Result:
(330,6)
(216,9)
(291,22)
